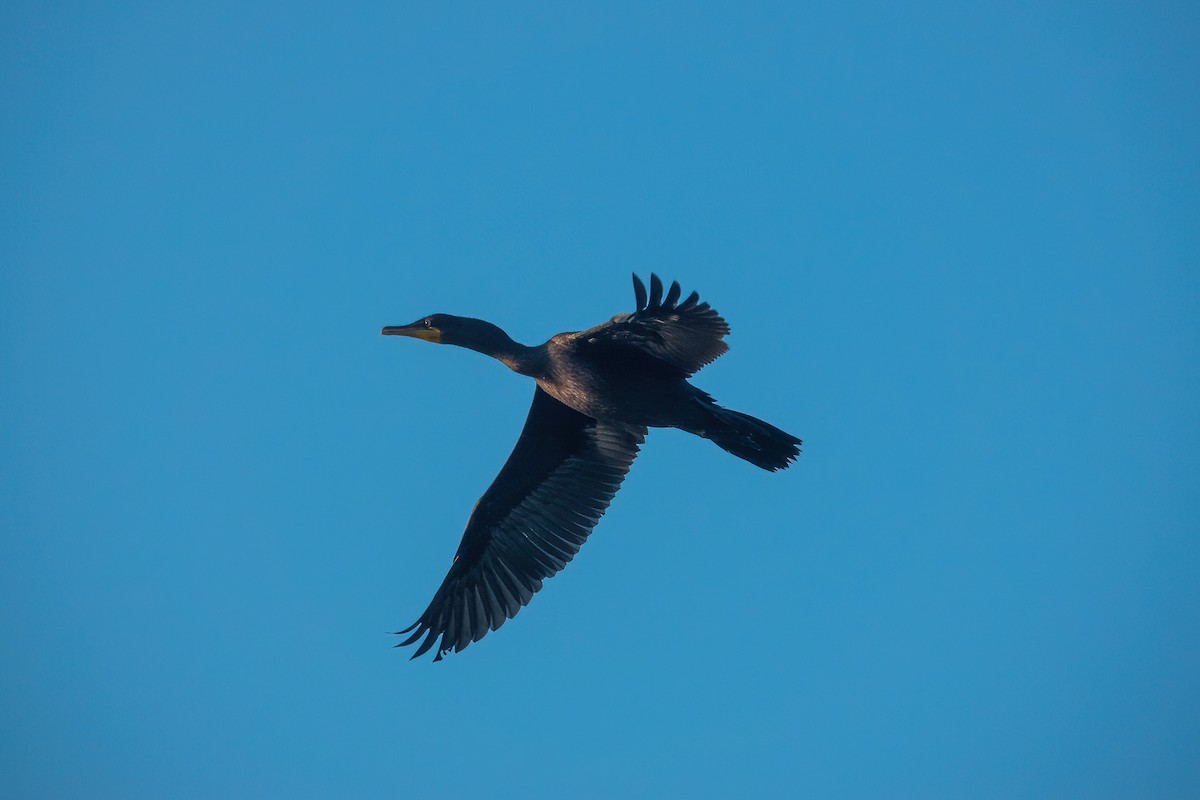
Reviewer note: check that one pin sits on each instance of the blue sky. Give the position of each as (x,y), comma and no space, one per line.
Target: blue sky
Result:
(958,246)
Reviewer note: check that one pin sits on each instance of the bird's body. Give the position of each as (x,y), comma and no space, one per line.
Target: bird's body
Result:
(634,393)
(597,393)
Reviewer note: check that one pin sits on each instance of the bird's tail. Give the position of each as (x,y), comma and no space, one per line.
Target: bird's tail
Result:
(749,438)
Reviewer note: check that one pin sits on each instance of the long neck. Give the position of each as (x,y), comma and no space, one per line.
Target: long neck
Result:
(492,341)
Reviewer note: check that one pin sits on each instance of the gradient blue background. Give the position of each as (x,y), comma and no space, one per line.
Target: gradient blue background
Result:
(959,247)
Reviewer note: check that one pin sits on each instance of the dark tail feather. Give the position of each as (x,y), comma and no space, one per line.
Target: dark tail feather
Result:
(749,438)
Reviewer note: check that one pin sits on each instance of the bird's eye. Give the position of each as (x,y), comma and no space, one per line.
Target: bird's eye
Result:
(428,323)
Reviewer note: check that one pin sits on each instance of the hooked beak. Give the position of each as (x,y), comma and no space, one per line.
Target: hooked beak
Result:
(417,330)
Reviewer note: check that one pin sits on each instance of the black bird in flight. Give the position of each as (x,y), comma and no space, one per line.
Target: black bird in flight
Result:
(597,392)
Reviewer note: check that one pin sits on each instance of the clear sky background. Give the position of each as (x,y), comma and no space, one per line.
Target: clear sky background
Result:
(959,248)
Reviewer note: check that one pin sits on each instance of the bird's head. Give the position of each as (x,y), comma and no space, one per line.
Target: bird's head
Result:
(428,328)
(449,329)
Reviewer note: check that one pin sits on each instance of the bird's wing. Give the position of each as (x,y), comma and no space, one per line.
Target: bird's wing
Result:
(685,335)
(531,521)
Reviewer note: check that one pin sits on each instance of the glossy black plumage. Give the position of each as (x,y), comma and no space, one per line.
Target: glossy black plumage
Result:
(686,336)
(598,391)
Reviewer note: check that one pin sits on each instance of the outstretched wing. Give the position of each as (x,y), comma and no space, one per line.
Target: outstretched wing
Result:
(531,521)
(685,336)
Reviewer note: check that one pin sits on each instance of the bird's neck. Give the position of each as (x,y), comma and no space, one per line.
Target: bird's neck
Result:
(520,359)
(514,355)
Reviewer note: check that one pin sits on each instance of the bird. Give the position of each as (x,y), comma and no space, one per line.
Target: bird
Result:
(598,392)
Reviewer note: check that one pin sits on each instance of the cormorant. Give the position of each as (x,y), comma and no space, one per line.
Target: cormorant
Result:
(597,392)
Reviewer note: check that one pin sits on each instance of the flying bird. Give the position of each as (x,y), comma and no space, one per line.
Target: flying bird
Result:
(598,391)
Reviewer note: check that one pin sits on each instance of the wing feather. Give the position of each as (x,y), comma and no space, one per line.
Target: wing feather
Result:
(682,336)
(530,523)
